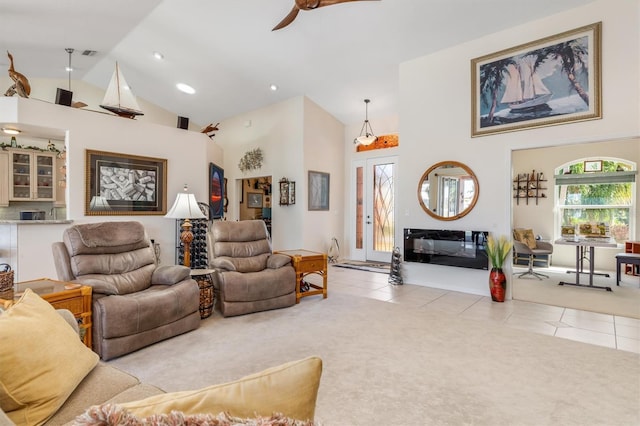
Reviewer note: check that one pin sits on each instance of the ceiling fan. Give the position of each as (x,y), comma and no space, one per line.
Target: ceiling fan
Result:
(308,5)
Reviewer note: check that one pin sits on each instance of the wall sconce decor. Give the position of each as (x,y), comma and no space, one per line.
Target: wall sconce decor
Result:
(287,192)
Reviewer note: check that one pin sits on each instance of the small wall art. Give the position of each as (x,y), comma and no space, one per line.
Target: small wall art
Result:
(593,166)
(318,190)
(216,192)
(254,200)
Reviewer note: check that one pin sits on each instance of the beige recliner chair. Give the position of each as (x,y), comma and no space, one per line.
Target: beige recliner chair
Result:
(135,301)
(248,277)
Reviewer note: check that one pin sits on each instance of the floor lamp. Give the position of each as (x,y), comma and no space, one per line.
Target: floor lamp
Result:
(186,207)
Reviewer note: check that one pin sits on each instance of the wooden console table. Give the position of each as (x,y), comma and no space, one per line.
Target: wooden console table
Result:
(63,295)
(307,262)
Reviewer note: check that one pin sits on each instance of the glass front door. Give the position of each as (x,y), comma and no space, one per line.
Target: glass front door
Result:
(374,220)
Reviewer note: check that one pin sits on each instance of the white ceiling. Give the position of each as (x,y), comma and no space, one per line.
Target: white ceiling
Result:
(336,55)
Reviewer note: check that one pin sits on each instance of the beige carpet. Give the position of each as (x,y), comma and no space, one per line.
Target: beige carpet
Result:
(389,364)
(623,300)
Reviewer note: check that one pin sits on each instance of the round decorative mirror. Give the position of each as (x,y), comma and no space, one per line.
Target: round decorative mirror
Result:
(448,190)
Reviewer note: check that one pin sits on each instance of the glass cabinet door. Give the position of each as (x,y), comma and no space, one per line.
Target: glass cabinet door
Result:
(21,182)
(32,177)
(44,176)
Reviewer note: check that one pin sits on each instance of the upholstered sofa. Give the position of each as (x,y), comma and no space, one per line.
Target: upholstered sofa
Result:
(249,277)
(53,378)
(135,302)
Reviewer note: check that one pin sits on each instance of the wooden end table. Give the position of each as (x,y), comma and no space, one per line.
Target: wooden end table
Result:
(205,283)
(306,262)
(63,295)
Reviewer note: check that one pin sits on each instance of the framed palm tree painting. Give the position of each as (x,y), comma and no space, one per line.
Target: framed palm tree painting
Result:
(554,80)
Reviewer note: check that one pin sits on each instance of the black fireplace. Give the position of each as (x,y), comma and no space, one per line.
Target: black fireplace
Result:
(465,249)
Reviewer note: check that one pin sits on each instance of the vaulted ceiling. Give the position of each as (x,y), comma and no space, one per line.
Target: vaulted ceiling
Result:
(226,49)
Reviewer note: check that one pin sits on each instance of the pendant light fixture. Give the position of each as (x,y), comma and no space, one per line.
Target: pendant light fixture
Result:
(69,68)
(69,50)
(366,133)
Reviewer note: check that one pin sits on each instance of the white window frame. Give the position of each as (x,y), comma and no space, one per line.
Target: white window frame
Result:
(558,210)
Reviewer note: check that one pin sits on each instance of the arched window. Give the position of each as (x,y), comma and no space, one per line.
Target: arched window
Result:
(597,198)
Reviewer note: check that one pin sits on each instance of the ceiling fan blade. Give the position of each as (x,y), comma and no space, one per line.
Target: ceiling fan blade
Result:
(288,19)
(332,2)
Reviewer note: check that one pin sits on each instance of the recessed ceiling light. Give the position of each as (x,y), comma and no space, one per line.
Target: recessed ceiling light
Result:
(159,56)
(273,87)
(11,131)
(186,88)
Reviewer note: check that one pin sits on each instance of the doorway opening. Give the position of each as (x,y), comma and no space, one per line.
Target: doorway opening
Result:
(566,197)
(255,200)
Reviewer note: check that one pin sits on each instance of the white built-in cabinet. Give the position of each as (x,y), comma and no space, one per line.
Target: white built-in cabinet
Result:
(32,175)
(4,179)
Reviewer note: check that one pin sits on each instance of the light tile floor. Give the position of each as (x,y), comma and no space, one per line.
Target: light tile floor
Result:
(589,327)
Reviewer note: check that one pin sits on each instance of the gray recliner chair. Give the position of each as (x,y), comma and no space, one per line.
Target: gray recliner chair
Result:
(249,277)
(135,301)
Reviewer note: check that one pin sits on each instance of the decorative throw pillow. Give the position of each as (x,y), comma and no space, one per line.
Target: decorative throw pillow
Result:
(290,389)
(526,236)
(116,415)
(42,359)
(277,260)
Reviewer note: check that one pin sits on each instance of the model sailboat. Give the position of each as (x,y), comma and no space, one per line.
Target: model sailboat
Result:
(524,88)
(119,98)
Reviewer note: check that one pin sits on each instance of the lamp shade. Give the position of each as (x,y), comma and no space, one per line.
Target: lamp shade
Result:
(366,139)
(185,207)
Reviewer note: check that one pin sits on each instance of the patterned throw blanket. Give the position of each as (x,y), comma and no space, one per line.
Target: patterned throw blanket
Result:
(115,415)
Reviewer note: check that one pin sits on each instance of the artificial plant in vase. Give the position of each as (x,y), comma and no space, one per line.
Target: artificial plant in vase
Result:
(497,251)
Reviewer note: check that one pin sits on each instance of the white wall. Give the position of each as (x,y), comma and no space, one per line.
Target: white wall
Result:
(277,130)
(322,153)
(188,155)
(295,136)
(435,111)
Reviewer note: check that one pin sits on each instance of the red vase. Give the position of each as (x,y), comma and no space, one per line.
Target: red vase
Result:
(497,284)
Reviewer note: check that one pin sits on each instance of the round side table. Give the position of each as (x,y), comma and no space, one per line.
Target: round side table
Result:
(205,282)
